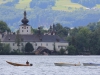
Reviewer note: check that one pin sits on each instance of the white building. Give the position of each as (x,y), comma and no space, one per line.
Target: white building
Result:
(46,40)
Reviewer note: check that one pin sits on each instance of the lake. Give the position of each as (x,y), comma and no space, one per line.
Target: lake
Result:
(44,65)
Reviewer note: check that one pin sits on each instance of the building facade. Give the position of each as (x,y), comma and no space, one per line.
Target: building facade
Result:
(48,40)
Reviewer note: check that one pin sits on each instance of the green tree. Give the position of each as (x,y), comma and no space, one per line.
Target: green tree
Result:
(92,26)
(4,27)
(1,47)
(95,41)
(62,51)
(61,31)
(6,48)
(54,47)
(28,47)
(18,40)
(83,39)
(71,50)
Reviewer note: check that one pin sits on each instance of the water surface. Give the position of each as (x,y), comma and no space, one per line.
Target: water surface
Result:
(44,65)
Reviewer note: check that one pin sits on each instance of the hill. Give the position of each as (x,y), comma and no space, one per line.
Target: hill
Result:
(22,4)
(46,12)
(64,5)
(67,5)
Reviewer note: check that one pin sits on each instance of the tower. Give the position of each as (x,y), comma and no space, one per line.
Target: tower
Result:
(24,27)
(52,30)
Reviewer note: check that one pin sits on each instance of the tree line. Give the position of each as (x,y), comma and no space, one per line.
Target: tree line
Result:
(82,39)
(85,40)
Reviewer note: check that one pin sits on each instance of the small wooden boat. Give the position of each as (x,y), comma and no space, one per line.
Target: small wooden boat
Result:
(91,64)
(66,64)
(17,64)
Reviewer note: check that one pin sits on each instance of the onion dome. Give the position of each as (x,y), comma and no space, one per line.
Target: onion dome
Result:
(25,20)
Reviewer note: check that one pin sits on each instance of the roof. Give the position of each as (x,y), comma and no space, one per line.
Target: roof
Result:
(33,38)
(24,25)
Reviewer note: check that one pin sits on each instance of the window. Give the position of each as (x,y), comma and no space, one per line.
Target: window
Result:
(35,44)
(46,44)
(22,30)
(41,44)
(58,46)
(22,27)
(22,44)
(61,46)
(27,27)
(9,38)
(13,44)
(27,30)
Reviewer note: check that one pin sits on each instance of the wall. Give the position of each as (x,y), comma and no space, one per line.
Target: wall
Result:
(25,29)
(49,45)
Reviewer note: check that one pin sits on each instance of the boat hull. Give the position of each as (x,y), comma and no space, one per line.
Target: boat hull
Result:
(66,64)
(91,64)
(16,64)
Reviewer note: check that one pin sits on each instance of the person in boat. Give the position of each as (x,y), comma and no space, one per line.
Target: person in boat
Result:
(27,62)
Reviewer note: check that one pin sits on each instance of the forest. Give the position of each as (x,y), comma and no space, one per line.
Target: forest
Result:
(83,40)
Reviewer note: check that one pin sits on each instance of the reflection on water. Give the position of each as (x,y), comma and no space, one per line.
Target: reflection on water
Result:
(44,65)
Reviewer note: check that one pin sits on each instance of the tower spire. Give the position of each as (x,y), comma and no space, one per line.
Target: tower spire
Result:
(24,14)
(25,20)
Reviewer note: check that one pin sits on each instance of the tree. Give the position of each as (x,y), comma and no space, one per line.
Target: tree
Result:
(83,39)
(28,47)
(4,27)
(71,50)
(95,41)
(61,31)
(54,47)
(92,26)
(18,39)
(6,48)
(1,47)
(62,51)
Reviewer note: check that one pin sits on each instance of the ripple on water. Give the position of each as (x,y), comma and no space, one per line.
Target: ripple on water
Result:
(44,65)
